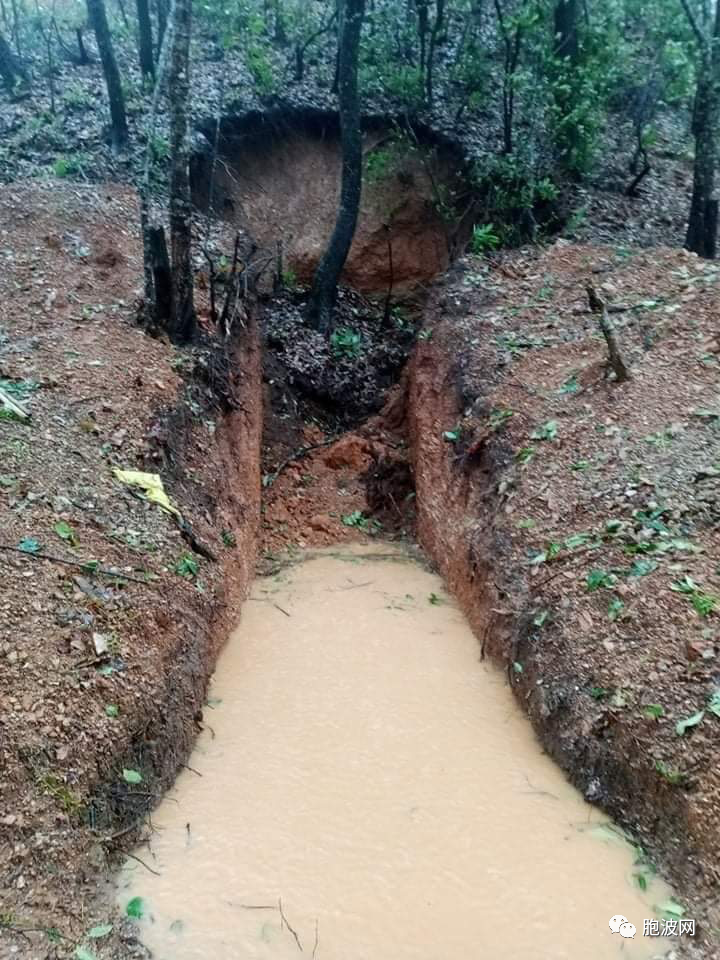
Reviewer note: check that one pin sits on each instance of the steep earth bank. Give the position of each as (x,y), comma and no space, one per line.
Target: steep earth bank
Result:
(106,649)
(576,521)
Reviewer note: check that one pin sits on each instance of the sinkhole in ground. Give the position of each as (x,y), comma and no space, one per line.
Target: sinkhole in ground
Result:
(276,178)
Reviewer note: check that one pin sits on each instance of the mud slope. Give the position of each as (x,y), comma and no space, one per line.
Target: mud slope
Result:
(101,673)
(576,521)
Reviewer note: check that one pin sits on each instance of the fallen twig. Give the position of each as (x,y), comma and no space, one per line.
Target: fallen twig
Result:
(284,920)
(86,565)
(271,602)
(13,406)
(191,769)
(143,864)
(315,945)
(270,478)
(111,838)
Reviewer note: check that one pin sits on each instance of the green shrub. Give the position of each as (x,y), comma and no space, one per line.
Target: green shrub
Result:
(484,239)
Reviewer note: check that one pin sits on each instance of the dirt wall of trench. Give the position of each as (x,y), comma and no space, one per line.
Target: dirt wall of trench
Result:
(108,636)
(461,524)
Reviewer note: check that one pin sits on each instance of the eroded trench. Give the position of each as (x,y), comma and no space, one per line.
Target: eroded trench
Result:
(365,787)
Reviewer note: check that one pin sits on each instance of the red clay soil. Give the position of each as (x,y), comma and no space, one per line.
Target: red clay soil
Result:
(102,672)
(576,519)
(285,183)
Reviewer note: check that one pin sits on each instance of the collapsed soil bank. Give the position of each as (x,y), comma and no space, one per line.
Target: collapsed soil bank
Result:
(277,179)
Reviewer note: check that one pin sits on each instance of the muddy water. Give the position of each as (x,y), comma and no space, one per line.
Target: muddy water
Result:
(361,769)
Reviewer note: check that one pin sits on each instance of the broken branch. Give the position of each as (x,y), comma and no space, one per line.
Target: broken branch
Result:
(599,307)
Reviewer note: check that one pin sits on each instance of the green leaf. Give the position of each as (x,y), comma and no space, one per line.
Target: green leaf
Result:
(653,711)
(570,386)
(548,431)
(65,532)
(499,417)
(670,910)
(686,585)
(353,519)
(553,549)
(577,540)
(136,908)
(20,389)
(704,603)
(713,703)
(537,557)
(600,578)
(102,930)
(132,776)
(452,436)
(434,599)
(29,545)
(615,609)
(187,566)
(525,455)
(688,722)
(641,881)
(82,953)
(541,618)
(112,710)
(517,667)
(641,567)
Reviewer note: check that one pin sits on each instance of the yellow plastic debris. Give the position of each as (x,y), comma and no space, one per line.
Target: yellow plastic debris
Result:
(150,484)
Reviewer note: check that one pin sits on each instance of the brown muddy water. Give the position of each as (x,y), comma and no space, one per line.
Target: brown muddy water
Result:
(370,791)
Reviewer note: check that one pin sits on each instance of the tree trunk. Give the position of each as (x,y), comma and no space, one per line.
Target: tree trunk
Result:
(118,120)
(161,8)
(182,325)
(701,235)
(327,275)
(702,222)
(566,50)
(566,29)
(280,32)
(145,40)
(434,35)
(83,57)
(10,67)
(422,14)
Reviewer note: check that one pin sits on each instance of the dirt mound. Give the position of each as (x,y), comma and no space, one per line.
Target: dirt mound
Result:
(278,181)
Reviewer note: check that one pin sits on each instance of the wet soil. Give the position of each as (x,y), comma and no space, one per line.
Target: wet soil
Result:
(102,672)
(567,513)
(276,178)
